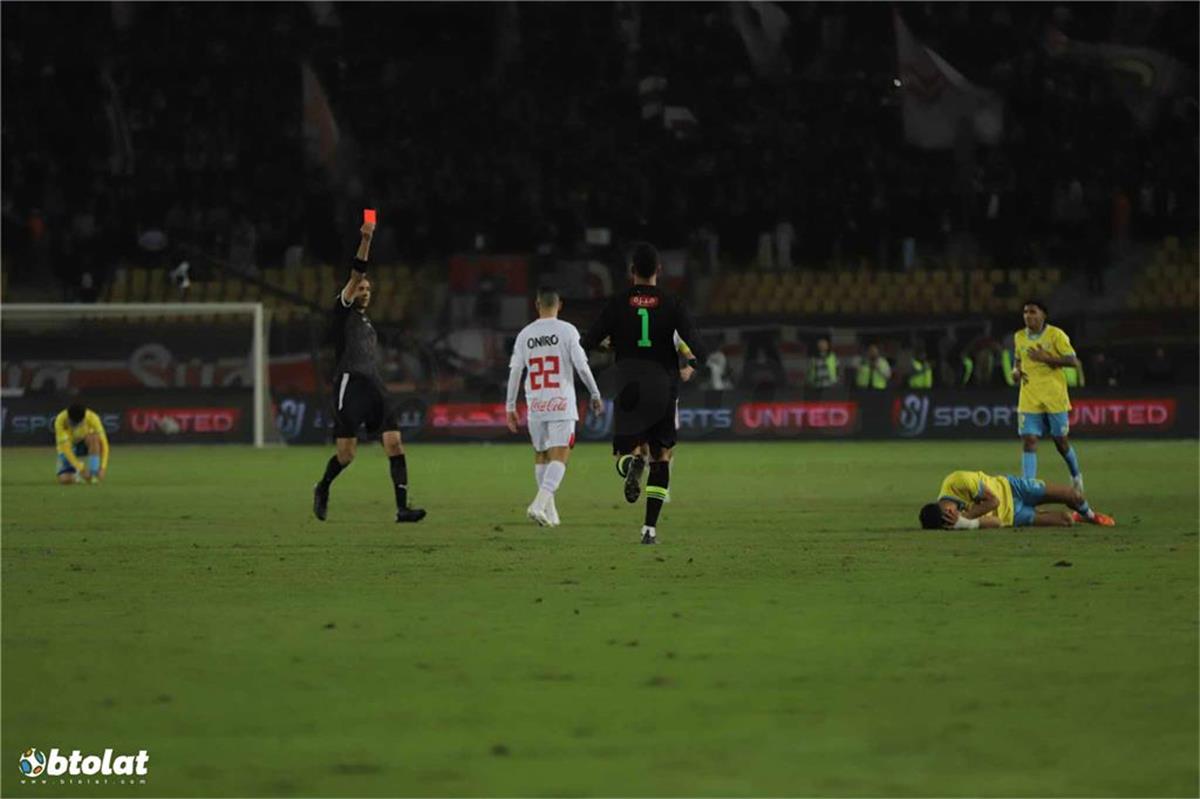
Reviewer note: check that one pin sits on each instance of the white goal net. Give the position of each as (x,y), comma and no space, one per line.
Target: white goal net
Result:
(154,372)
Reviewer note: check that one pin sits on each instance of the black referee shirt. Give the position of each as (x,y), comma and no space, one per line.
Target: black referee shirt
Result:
(355,341)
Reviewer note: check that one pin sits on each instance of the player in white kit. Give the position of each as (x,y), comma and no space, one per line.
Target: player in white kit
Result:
(548,351)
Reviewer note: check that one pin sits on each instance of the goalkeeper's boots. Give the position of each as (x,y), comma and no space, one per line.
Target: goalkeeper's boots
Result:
(320,501)
(410,515)
(633,479)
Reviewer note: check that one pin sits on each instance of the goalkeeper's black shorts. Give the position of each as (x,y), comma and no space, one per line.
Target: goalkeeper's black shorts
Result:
(645,410)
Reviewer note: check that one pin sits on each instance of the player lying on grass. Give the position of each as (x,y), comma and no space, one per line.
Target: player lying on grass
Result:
(970,500)
(79,433)
(548,351)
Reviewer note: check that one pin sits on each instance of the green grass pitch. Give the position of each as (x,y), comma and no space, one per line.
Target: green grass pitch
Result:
(791,634)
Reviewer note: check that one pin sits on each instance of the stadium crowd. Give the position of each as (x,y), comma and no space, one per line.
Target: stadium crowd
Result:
(518,127)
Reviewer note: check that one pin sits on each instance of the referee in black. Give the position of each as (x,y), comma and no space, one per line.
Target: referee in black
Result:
(359,396)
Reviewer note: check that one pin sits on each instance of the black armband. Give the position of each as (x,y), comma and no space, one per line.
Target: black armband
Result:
(358,266)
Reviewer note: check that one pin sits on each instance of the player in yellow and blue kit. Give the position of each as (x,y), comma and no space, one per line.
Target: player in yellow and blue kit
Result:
(1042,354)
(970,500)
(78,435)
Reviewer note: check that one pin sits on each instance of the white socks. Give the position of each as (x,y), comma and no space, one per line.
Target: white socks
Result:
(549,477)
(553,475)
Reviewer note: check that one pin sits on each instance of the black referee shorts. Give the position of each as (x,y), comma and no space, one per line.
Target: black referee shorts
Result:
(361,402)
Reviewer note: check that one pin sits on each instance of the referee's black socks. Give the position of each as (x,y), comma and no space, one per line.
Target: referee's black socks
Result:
(399,469)
(656,490)
(332,470)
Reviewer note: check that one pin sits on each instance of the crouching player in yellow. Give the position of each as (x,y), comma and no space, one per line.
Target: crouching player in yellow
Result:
(79,434)
(970,500)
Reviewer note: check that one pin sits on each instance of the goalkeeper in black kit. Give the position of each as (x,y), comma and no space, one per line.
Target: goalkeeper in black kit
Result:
(359,396)
(641,323)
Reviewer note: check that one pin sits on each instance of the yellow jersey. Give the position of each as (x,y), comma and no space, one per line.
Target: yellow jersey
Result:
(1045,388)
(965,488)
(67,436)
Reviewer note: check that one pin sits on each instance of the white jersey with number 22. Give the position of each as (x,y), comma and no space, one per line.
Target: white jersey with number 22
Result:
(548,351)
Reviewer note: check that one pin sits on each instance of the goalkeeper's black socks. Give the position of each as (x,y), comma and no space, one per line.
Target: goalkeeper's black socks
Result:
(332,470)
(656,490)
(399,468)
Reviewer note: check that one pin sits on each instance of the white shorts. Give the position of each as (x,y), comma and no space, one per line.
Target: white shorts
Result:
(551,434)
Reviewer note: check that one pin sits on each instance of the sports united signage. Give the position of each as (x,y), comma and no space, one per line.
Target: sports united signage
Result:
(994,415)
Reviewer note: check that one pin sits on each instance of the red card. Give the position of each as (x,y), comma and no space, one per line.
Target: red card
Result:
(369,216)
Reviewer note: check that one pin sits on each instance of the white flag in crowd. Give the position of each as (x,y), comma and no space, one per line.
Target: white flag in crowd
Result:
(1143,77)
(320,128)
(937,99)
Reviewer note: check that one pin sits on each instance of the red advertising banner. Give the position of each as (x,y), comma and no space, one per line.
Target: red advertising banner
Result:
(473,417)
(218,421)
(796,418)
(1122,414)
(164,416)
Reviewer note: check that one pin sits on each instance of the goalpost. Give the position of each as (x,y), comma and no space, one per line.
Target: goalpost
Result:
(58,349)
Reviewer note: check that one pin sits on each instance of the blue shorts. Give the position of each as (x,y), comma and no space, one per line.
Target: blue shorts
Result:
(1027,493)
(1039,424)
(64,465)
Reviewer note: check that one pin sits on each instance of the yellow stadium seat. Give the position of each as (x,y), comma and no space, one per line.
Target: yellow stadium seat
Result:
(308,280)
(137,285)
(156,283)
(119,286)
(234,290)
